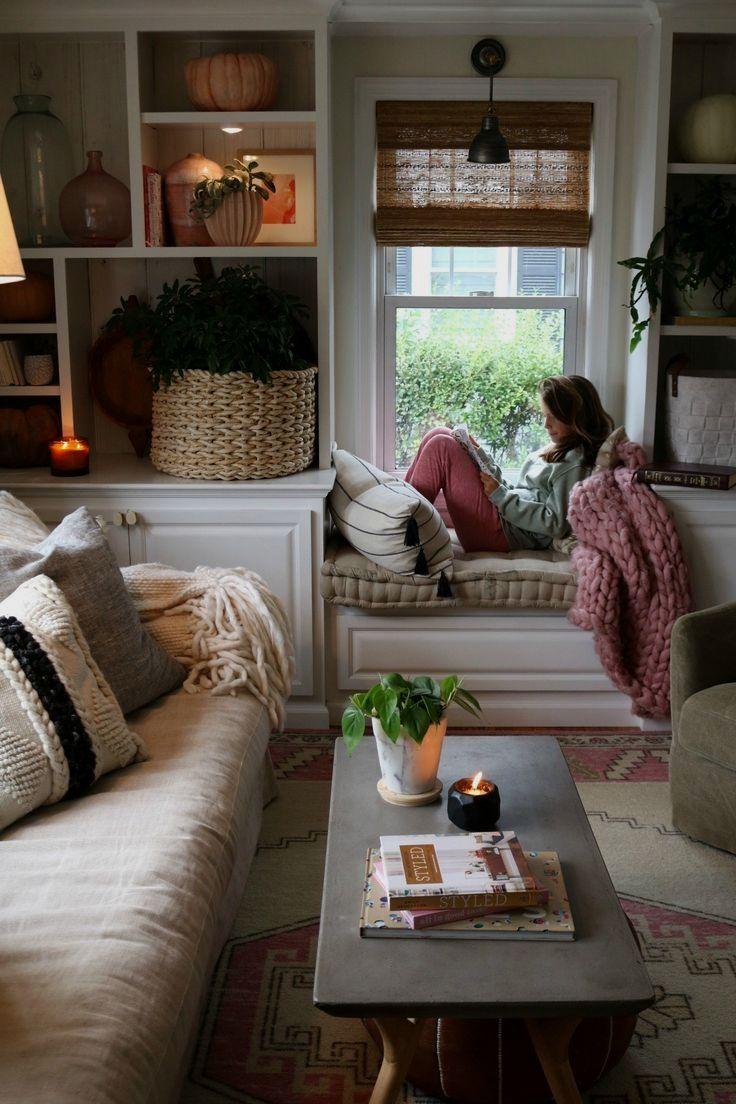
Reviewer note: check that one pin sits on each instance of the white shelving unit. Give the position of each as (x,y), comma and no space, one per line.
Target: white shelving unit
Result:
(698,331)
(688,54)
(121,88)
(696,168)
(118,85)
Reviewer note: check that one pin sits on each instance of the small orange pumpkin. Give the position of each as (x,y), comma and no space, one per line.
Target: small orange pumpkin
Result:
(25,435)
(231,82)
(29,300)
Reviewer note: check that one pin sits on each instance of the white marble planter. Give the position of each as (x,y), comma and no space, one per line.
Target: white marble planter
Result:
(407,767)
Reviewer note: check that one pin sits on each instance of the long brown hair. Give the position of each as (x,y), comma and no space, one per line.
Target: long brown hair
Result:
(575,401)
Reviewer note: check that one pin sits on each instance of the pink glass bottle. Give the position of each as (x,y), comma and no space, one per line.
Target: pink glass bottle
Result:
(94,207)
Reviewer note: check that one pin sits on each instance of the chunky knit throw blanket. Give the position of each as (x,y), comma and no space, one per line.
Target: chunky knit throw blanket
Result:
(632,579)
(223,624)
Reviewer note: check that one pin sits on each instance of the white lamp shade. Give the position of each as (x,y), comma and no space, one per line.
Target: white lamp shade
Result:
(11,266)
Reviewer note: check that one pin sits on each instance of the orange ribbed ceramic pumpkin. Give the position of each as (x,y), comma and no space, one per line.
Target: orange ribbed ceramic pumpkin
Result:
(25,435)
(29,300)
(231,82)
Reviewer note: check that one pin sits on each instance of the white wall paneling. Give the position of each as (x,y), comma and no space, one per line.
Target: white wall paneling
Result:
(274,529)
(531,669)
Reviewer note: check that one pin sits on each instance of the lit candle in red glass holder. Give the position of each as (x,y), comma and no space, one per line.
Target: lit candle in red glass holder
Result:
(69,456)
(474,804)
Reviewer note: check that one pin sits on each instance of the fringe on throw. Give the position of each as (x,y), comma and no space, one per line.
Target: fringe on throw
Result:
(224,626)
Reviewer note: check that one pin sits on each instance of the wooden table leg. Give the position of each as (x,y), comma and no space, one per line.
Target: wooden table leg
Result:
(400,1037)
(551,1037)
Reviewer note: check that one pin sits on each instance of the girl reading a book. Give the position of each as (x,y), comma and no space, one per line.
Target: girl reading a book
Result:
(491,515)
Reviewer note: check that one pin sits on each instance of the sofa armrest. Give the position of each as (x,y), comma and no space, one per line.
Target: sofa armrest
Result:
(703,654)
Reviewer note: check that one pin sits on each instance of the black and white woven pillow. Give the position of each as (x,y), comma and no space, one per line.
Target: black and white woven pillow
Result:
(389,522)
(60,724)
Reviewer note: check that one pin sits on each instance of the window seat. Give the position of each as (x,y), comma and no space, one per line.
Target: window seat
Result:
(481,580)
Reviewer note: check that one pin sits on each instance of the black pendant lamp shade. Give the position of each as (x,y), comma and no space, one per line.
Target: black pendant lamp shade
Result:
(489,147)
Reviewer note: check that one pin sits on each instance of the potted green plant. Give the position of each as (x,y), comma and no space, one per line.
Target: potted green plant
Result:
(232,204)
(409,721)
(695,252)
(233,396)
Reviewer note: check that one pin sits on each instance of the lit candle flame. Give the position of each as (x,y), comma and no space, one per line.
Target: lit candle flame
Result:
(476,780)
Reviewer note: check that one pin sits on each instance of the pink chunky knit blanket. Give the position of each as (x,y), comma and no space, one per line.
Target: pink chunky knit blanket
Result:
(632,579)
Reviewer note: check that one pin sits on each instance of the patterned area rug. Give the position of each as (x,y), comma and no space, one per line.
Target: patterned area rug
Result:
(262,1041)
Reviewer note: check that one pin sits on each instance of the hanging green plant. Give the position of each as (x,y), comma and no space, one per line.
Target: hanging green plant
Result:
(696,246)
(239,176)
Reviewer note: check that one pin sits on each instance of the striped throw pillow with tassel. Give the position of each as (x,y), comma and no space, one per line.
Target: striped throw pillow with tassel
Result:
(389,522)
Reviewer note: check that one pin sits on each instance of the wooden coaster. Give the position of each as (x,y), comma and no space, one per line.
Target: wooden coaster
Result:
(394,798)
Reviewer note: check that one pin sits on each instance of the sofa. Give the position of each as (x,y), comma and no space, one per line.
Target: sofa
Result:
(116,899)
(115,906)
(703,759)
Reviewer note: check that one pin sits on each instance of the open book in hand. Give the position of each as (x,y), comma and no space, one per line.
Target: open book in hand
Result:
(485,462)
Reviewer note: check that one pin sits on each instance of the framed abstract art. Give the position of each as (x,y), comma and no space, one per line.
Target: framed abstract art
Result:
(289,214)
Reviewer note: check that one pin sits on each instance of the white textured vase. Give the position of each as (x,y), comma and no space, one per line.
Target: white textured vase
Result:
(406,766)
(238,219)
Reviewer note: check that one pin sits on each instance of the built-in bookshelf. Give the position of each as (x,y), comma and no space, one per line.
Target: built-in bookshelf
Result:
(124,92)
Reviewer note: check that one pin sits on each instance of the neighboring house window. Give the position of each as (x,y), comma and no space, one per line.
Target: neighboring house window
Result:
(480,271)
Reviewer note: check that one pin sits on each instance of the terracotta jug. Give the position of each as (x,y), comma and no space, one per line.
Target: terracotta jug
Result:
(179,180)
(94,207)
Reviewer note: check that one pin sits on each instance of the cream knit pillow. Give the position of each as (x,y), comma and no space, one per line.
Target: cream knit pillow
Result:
(60,724)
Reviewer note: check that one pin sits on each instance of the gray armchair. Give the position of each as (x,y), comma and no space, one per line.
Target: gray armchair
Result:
(703,762)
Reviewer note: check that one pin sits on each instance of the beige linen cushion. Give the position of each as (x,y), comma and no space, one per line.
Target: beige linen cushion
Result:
(78,558)
(387,520)
(19,525)
(60,725)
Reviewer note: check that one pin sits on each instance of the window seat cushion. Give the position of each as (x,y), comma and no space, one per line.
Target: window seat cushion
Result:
(480,580)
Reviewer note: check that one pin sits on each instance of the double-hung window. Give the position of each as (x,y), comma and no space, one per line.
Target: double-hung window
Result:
(479,267)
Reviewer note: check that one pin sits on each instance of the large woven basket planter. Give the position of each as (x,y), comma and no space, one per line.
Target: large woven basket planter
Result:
(233,427)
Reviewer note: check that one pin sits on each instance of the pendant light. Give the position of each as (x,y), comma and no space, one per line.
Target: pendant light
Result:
(489,147)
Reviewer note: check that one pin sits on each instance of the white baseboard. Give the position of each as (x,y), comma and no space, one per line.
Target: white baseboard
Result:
(544,710)
(307,715)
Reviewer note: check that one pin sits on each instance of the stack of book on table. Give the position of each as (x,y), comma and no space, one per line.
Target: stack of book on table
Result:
(480,884)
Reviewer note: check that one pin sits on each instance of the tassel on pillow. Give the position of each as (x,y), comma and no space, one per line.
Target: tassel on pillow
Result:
(421,567)
(411,537)
(444,590)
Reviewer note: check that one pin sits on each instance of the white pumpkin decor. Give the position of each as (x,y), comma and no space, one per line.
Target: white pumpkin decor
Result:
(707,133)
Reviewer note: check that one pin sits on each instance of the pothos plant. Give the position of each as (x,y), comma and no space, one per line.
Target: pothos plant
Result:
(239,176)
(233,322)
(409,704)
(696,245)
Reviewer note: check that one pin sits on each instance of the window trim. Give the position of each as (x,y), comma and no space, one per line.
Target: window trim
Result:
(595,261)
(386,381)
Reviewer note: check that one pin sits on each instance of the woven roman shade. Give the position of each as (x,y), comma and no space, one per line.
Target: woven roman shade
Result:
(428,193)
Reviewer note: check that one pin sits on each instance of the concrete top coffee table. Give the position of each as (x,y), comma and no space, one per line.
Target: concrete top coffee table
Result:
(400,981)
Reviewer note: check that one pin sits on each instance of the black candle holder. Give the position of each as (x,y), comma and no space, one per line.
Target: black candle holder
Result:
(473,808)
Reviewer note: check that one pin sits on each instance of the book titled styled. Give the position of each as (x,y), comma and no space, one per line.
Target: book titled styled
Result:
(457,872)
(430,918)
(712,477)
(551,922)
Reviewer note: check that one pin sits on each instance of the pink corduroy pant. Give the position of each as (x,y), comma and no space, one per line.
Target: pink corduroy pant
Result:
(442,464)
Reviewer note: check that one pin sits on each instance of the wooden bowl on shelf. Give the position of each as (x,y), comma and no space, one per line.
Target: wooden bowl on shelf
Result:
(121,386)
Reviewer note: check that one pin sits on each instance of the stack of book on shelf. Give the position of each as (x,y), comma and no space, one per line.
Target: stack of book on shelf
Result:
(11,364)
(711,477)
(480,884)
